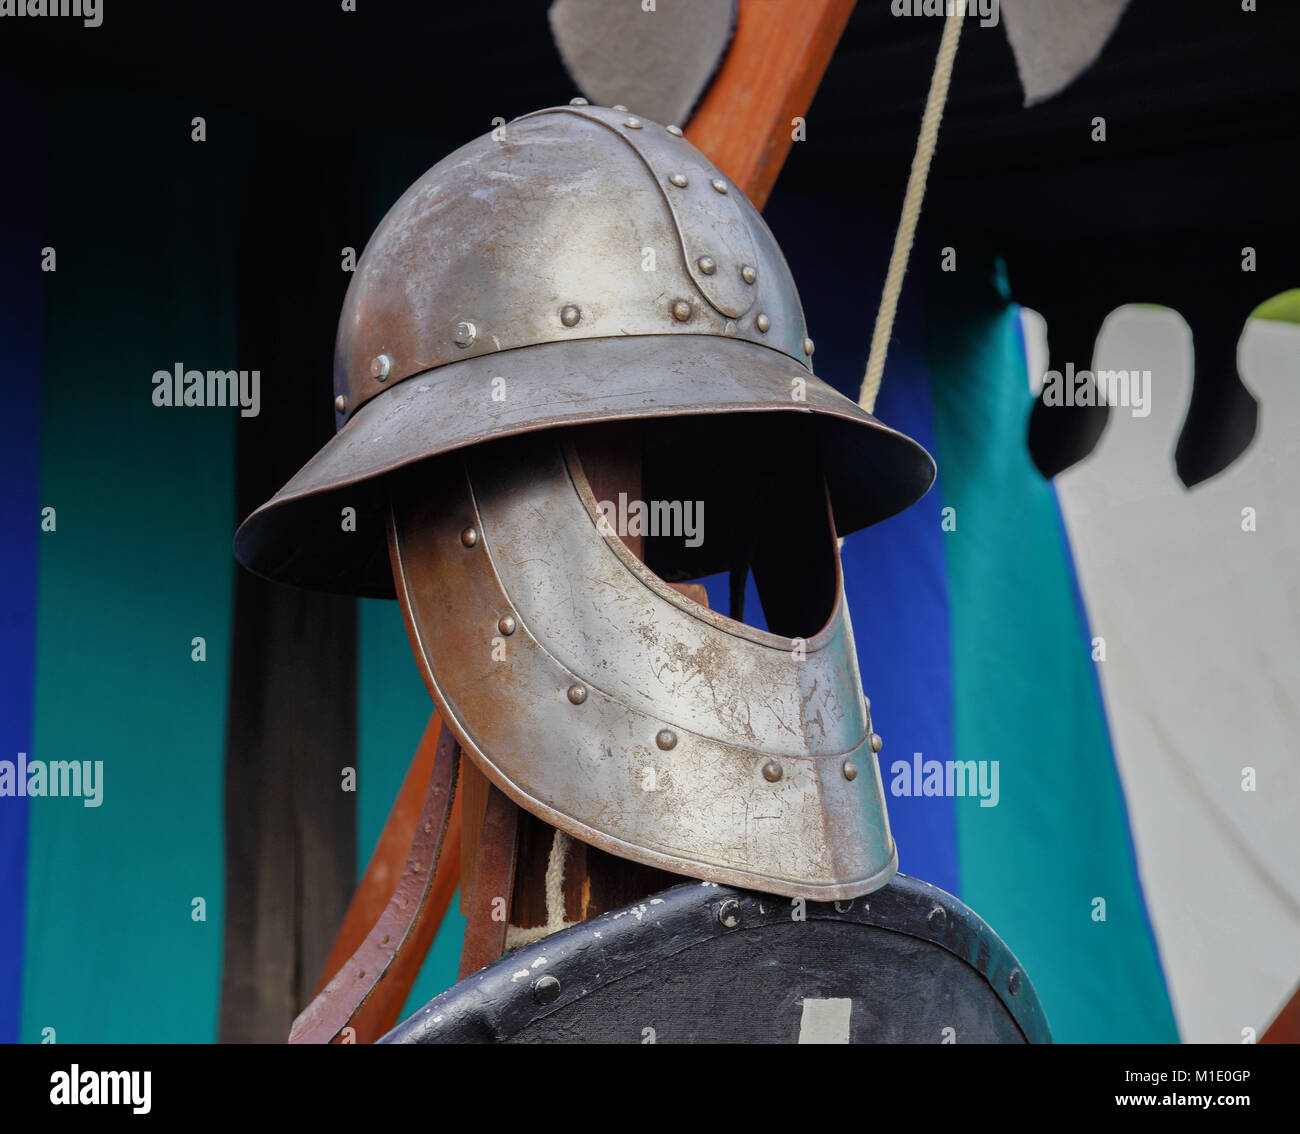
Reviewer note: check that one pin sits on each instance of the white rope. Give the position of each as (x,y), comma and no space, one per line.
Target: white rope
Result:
(555,882)
(516,936)
(912,205)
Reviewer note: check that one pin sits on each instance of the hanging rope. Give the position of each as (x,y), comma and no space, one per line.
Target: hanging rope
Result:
(515,936)
(555,882)
(912,205)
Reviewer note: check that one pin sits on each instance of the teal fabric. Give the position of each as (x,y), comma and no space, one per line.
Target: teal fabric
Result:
(139,566)
(1025,694)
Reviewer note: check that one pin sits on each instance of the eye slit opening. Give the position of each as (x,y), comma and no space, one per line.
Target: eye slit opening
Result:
(730,510)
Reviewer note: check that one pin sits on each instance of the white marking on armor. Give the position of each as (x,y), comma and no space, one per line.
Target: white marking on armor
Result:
(825,1021)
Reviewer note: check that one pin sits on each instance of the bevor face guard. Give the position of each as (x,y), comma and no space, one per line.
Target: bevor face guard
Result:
(617,709)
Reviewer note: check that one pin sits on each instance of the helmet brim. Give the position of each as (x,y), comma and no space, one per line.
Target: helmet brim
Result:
(299,537)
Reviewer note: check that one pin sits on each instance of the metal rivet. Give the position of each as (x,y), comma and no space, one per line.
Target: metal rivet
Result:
(807,346)
(679,179)
(762,323)
(619,106)
(675,131)
(341,404)
(577,694)
(682,311)
(385,940)
(850,770)
(666,739)
(748,274)
(570,314)
(464,334)
(361,974)
(380,367)
(1013,982)
(707,264)
(729,913)
(719,184)
(507,624)
(469,537)
(772,771)
(546,989)
(579,101)
(843,907)
(938,919)
(877,743)
(633,124)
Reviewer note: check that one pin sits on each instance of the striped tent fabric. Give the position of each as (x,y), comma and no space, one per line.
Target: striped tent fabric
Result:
(1193,595)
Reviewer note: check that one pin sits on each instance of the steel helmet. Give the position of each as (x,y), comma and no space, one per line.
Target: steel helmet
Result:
(583,266)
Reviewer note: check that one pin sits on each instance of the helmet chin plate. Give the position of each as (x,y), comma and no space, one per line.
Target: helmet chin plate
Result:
(604,701)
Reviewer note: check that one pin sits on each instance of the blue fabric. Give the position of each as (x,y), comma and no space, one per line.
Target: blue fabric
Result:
(895,577)
(21,315)
(896,582)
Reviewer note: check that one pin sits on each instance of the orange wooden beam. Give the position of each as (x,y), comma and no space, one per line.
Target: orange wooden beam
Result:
(383,1010)
(772,70)
(1286,1028)
(386,865)
(364,998)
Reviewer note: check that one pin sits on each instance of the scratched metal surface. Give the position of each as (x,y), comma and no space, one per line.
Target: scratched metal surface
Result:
(575,269)
(738,701)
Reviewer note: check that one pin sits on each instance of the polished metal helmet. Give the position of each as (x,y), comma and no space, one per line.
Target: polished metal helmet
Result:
(584,274)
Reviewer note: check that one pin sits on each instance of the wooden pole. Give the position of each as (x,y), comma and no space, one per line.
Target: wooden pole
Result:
(1286,1028)
(362,1000)
(389,856)
(778,56)
(379,883)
